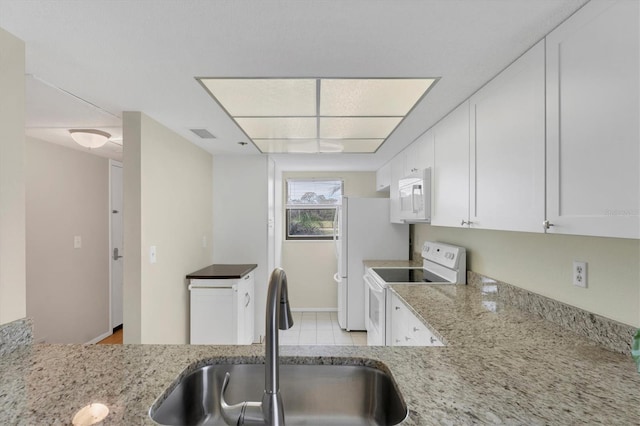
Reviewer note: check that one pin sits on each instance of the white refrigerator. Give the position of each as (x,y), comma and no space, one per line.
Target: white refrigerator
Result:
(363,231)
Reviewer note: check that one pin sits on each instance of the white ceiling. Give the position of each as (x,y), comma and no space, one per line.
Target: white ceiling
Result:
(92,60)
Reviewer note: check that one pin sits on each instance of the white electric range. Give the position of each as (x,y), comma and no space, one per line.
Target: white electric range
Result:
(441,264)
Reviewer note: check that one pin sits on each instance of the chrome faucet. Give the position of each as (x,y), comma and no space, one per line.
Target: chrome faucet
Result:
(270,410)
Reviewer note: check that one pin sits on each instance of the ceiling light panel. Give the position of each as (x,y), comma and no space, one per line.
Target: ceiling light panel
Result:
(370,97)
(359,146)
(357,128)
(279,128)
(315,115)
(264,97)
(313,146)
(287,146)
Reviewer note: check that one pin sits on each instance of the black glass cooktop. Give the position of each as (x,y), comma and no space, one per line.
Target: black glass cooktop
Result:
(408,275)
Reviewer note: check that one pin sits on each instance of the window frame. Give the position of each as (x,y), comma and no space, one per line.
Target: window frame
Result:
(289,207)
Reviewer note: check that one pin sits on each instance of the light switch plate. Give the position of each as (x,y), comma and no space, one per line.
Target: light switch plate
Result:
(77,242)
(152,254)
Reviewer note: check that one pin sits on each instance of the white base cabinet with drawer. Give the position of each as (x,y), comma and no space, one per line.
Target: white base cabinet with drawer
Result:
(222,311)
(405,328)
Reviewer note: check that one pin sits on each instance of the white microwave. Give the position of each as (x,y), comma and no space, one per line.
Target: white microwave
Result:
(415,196)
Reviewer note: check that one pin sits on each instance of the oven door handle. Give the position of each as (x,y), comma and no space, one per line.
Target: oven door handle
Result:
(372,284)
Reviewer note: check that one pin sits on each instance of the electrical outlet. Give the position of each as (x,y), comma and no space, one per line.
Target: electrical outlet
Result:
(580,274)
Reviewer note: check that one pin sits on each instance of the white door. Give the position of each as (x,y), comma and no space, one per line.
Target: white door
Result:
(116,244)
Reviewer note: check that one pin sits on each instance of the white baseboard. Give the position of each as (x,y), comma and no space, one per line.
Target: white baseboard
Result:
(314,310)
(100,337)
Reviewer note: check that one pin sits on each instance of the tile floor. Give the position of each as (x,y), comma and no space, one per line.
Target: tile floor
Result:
(320,328)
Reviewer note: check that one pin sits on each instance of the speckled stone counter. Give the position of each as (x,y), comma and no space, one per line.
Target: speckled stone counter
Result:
(15,334)
(501,366)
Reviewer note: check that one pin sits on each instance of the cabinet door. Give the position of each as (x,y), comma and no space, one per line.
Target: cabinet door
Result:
(398,322)
(383,177)
(507,125)
(245,308)
(249,308)
(593,122)
(397,170)
(451,169)
(418,155)
(213,316)
(421,335)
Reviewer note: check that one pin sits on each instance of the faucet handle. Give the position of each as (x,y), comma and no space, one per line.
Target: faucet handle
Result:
(243,413)
(230,413)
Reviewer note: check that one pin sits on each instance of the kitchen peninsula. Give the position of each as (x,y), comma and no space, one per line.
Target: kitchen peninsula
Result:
(501,365)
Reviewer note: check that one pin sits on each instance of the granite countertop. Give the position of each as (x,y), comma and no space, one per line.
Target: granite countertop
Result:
(500,366)
(222,271)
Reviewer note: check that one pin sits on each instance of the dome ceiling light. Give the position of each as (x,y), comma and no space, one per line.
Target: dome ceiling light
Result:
(89,138)
(317,115)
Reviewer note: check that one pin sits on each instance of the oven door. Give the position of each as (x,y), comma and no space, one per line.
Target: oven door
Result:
(375,304)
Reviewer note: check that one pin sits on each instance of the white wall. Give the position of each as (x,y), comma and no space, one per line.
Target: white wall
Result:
(67,195)
(543,264)
(240,214)
(168,198)
(310,265)
(12,192)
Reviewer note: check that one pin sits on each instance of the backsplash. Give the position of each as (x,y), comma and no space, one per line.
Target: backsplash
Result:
(15,334)
(611,334)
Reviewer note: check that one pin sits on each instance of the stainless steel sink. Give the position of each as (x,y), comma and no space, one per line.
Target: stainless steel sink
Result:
(312,395)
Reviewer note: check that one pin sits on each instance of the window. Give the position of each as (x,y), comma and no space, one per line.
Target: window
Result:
(311,207)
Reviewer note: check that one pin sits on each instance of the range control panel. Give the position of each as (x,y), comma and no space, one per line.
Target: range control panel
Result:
(443,254)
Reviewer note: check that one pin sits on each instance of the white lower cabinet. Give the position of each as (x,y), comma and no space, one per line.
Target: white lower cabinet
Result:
(222,311)
(407,329)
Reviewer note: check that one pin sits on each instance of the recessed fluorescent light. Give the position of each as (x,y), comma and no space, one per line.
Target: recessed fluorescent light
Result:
(357,127)
(370,97)
(315,114)
(279,127)
(264,97)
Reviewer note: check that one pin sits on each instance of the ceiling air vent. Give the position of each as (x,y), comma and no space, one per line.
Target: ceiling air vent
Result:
(203,133)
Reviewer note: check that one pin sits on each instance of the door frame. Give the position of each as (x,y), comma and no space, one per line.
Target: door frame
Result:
(111,164)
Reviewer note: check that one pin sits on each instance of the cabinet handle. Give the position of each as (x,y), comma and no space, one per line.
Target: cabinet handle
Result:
(464,222)
(407,338)
(397,308)
(433,340)
(247,298)
(546,225)
(247,277)
(416,329)
(397,340)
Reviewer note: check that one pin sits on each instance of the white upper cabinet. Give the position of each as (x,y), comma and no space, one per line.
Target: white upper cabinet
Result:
(383,177)
(593,181)
(397,172)
(450,197)
(507,127)
(419,155)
